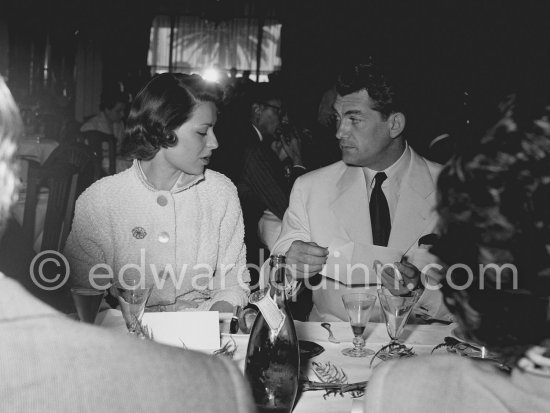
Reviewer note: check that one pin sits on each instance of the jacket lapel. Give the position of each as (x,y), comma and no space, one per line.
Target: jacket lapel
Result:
(350,206)
(415,205)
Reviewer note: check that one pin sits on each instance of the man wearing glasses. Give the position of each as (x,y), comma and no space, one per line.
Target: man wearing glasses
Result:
(271,161)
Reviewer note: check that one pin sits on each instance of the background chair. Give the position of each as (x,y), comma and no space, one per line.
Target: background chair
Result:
(57,178)
(82,157)
(88,170)
(96,141)
(51,124)
(70,131)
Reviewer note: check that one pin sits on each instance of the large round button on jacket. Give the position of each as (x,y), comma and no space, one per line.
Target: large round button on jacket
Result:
(162,201)
(164,237)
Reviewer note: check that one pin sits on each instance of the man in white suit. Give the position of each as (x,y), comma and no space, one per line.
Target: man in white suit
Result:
(49,363)
(368,210)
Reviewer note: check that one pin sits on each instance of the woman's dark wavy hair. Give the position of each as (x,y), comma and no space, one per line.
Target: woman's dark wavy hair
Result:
(385,92)
(161,107)
(494,207)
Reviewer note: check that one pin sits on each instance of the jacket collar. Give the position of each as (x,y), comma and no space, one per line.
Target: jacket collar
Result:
(414,208)
(179,186)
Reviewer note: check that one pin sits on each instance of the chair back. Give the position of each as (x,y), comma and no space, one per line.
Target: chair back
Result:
(70,132)
(88,167)
(58,179)
(82,157)
(95,140)
(51,124)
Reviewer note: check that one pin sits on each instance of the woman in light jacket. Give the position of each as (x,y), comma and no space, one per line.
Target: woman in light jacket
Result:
(166,219)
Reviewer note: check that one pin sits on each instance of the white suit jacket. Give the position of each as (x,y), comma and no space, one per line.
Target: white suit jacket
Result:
(331,205)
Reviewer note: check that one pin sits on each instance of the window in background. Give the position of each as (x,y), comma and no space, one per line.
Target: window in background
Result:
(197,45)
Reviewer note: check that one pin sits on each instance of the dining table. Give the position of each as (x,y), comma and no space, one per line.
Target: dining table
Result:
(422,338)
(36,147)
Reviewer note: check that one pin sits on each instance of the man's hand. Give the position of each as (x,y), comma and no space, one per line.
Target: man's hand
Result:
(292,145)
(403,283)
(305,259)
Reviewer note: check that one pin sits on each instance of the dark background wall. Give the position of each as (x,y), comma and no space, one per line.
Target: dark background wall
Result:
(458,57)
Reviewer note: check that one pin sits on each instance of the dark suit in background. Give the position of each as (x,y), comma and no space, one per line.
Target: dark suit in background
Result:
(264,182)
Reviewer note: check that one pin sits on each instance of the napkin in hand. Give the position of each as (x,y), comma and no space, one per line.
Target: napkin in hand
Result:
(340,255)
(354,263)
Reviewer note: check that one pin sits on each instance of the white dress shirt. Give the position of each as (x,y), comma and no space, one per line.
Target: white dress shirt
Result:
(392,185)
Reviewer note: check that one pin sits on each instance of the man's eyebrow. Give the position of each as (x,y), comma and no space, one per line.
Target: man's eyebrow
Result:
(352,112)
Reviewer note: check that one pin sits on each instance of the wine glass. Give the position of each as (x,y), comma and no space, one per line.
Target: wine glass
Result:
(396,310)
(132,297)
(359,308)
(87,302)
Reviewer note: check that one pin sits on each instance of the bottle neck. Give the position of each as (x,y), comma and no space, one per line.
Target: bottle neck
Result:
(277,280)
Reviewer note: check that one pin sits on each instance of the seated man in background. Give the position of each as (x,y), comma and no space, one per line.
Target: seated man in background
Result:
(110,119)
(262,181)
(374,206)
(53,364)
(494,203)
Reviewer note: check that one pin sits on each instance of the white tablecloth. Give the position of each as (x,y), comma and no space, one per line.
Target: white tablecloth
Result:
(38,149)
(422,337)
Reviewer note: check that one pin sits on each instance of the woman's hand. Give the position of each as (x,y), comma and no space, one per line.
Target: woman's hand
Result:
(180,305)
(183,305)
(222,307)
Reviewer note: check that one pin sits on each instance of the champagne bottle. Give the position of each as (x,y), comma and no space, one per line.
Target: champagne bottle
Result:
(273,357)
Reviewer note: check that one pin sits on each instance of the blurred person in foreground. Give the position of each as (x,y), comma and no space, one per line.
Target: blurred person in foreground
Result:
(53,364)
(167,219)
(494,207)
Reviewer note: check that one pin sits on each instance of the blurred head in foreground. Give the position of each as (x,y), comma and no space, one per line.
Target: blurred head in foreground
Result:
(10,128)
(494,207)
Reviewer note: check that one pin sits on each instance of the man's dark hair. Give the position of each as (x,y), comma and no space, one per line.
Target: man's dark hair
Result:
(263,92)
(385,95)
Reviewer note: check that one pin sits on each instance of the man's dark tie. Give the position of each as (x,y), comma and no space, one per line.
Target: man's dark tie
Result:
(379,212)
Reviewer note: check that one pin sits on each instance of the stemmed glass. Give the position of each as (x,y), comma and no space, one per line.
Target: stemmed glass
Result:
(359,308)
(396,310)
(87,302)
(132,297)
